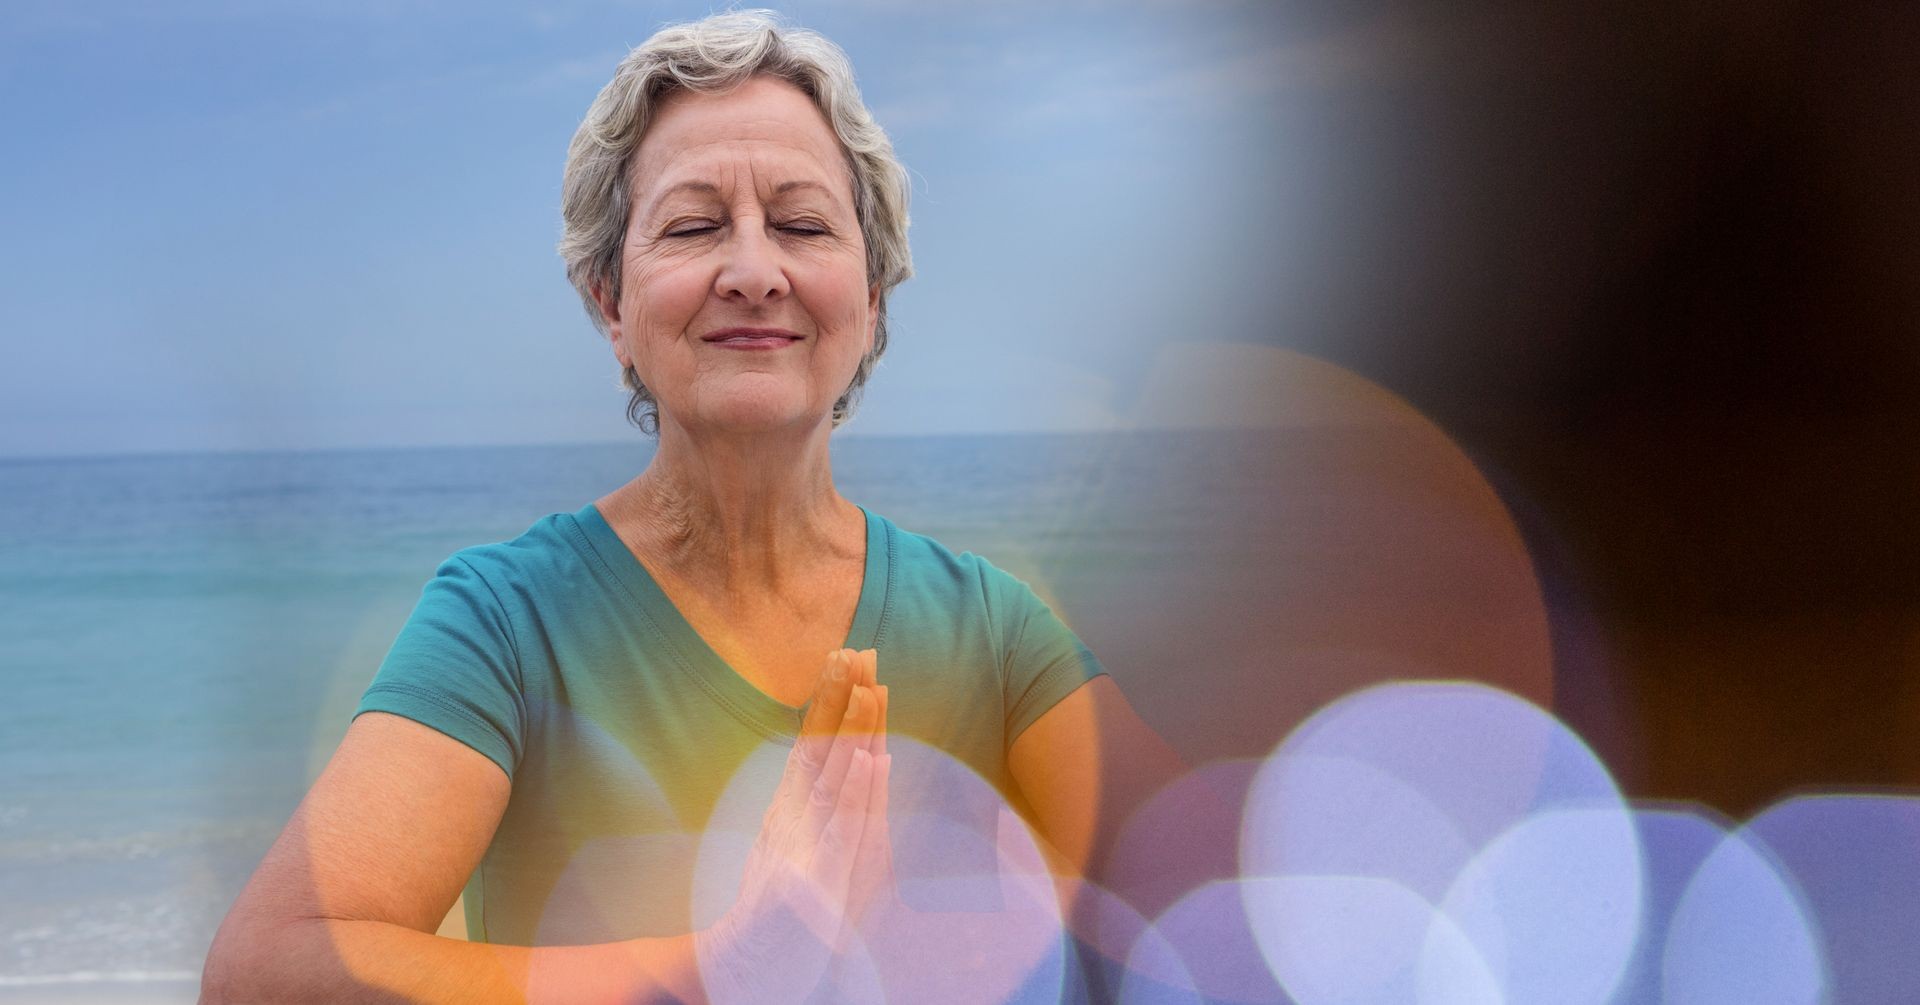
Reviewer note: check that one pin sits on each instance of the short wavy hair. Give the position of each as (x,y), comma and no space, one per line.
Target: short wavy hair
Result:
(713,55)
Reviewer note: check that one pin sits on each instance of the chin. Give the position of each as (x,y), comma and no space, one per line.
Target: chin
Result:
(764,413)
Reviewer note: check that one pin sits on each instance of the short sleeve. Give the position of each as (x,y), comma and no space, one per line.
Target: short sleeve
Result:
(454,667)
(1045,660)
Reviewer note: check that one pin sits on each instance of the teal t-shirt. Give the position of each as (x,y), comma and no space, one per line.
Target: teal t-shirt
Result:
(556,655)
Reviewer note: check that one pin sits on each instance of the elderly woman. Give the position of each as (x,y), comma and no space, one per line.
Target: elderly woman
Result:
(553,728)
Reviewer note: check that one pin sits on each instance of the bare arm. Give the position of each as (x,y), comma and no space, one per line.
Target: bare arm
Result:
(1084,766)
(344,906)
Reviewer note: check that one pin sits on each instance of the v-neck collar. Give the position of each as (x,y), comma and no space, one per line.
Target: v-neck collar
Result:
(692,654)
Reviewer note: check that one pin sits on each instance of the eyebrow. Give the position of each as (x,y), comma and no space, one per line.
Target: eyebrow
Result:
(709,188)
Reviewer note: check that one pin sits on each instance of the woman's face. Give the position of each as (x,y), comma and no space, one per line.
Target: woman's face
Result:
(742,218)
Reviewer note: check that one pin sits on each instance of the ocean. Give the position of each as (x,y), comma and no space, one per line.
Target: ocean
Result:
(185,636)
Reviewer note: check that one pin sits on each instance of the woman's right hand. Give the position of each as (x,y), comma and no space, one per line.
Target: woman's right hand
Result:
(822,833)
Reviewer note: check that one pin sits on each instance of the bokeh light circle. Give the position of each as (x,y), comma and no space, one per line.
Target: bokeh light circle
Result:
(1739,934)
(1553,905)
(977,917)
(1155,974)
(610,888)
(1855,861)
(1675,839)
(1208,933)
(1458,804)
(1186,835)
(1363,941)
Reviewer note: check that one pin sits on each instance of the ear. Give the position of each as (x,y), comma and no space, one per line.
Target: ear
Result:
(873,314)
(609,309)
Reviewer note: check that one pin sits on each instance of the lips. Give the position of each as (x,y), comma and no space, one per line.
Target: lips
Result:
(745,336)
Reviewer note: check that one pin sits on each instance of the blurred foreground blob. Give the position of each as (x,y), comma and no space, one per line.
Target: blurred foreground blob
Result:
(1276,531)
(1436,842)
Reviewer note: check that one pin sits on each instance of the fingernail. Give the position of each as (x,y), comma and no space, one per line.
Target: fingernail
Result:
(839,669)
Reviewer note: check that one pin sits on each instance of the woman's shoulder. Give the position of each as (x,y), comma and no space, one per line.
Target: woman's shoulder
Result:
(551,547)
(913,553)
(923,561)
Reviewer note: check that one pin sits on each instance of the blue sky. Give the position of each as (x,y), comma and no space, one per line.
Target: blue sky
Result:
(259,226)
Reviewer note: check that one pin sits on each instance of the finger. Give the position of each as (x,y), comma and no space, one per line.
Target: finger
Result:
(865,727)
(825,793)
(866,670)
(878,832)
(825,710)
(863,715)
(877,821)
(873,882)
(829,702)
(839,845)
(872,662)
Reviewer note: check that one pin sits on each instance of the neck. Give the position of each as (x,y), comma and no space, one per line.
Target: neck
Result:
(747,513)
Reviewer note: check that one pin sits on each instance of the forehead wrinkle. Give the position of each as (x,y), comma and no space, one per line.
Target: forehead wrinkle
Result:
(726,168)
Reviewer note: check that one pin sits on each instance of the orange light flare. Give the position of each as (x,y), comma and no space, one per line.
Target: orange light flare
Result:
(1275,532)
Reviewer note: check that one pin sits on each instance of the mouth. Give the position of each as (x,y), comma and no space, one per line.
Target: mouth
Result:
(751,338)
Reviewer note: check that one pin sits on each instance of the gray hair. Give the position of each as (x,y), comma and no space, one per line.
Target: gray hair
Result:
(711,56)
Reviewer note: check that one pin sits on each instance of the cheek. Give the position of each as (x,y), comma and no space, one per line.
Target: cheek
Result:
(842,309)
(660,285)
(661,302)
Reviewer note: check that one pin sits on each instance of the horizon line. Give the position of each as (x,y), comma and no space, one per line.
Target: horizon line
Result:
(640,441)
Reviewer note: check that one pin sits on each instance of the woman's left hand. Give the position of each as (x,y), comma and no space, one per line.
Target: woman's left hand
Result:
(796,904)
(873,885)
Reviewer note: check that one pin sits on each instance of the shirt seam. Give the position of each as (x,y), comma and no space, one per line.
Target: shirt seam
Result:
(886,599)
(1076,661)
(444,705)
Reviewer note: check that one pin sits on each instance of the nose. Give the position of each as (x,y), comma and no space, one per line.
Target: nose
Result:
(752,269)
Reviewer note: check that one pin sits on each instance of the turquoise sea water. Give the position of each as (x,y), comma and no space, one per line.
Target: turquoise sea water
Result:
(185,636)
